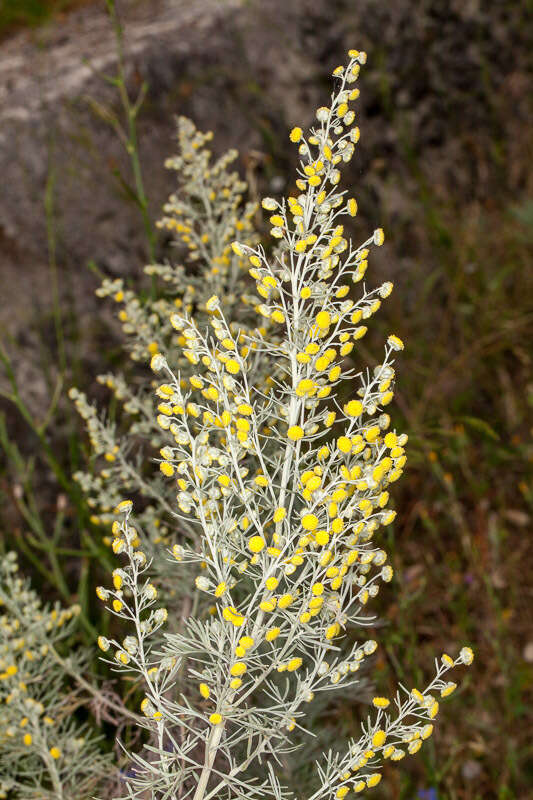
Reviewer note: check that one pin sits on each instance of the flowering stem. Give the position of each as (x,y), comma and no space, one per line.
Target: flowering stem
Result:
(54,776)
(211,748)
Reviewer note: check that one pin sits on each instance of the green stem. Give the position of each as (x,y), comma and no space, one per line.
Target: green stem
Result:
(52,262)
(35,560)
(131,110)
(64,481)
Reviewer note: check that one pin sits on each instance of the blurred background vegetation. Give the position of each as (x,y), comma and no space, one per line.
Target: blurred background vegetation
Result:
(18,14)
(443,164)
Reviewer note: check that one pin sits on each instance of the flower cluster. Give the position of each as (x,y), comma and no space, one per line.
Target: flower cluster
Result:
(280,456)
(203,217)
(45,752)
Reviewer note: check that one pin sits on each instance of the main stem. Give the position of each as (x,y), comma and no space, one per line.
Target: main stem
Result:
(215,735)
(211,748)
(54,776)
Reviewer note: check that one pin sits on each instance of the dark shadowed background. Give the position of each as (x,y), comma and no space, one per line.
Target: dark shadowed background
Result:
(444,166)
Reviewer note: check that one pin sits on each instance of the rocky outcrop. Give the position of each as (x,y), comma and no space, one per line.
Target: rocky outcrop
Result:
(441,87)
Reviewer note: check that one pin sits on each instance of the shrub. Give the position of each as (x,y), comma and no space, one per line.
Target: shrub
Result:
(276,457)
(45,751)
(205,214)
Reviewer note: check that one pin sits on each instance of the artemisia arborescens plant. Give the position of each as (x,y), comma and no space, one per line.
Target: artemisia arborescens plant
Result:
(47,751)
(203,217)
(284,485)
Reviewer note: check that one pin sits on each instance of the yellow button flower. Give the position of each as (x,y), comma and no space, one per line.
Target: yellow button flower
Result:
(295,135)
(256,544)
(344,444)
(310,522)
(295,433)
(239,668)
(323,319)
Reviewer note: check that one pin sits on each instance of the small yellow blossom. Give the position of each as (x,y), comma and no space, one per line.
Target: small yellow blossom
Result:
(379,237)
(395,342)
(352,207)
(295,433)
(379,738)
(310,522)
(294,664)
(256,544)
(323,319)
(280,514)
(233,366)
(344,444)
(295,135)
(354,408)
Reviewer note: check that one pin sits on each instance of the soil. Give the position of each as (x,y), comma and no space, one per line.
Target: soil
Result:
(443,107)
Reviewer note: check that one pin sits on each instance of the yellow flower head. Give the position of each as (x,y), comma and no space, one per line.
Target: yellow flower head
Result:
(295,135)
(295,433)
(256,544)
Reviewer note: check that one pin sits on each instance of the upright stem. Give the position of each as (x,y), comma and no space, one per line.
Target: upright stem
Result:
(211,748)
(54,776)
(131,110)
(52,261)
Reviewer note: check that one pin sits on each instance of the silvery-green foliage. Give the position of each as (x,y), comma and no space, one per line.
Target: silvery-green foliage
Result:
(204,215)
(281,490)
(45,752)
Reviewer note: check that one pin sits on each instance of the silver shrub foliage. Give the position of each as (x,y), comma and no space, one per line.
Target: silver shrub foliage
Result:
(45,751)
(277,482)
